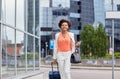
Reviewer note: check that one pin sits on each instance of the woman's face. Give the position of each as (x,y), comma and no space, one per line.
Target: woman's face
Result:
(64,26)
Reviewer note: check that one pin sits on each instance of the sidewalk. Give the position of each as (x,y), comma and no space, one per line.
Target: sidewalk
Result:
(88,67)
(74,67)
(45,68)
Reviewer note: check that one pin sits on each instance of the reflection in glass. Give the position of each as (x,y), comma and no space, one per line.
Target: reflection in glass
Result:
(8,52)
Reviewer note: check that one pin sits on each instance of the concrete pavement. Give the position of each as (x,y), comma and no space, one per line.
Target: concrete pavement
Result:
(82,72)
(76,71)
(88,67)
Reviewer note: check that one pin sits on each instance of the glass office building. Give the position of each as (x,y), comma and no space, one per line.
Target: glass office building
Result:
(19,43)
(99,12)
(108,26)
(108,22)
(32,22)
(86,12)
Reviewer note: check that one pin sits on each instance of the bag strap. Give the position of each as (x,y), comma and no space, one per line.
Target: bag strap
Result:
(52,66)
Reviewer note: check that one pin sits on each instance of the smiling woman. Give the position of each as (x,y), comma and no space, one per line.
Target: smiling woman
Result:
(64,46)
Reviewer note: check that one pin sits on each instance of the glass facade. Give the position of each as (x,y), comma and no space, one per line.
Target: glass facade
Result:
(116,25)
(17,27)
(81,14)
(87,12)
(99,12)
(75,17)
(108,21)
(116,31)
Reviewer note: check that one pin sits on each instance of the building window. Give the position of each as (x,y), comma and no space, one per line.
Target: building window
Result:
(80,23)
(79,19)
(79,11)
(118,7)
(79,3)
(79,27)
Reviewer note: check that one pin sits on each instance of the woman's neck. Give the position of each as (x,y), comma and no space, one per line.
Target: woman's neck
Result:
(64,32)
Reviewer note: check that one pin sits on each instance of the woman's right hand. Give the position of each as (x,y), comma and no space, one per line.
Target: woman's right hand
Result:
(54,61)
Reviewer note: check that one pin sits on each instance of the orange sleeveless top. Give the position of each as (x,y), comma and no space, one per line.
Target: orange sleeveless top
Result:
(64,44)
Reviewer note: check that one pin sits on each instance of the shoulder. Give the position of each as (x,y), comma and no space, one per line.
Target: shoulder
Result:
(57,34)
(71,34)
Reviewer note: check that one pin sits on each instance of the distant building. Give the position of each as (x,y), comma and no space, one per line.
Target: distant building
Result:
(86,12)
(45,25)
(116,17)
(29,11)
(75,17)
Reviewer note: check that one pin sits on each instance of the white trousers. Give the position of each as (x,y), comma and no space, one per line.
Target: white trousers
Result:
(63,59)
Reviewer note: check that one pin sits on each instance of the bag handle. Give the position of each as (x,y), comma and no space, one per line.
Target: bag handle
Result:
(52,66)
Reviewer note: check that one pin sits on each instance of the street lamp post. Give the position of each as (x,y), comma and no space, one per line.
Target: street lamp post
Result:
(112,42)
(0,41)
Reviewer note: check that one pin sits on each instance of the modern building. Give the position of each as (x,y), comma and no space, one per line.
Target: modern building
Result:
(10,49)
(75,17)
(32,10)
(108,26)
(45,25)
(112,13)
(86,12)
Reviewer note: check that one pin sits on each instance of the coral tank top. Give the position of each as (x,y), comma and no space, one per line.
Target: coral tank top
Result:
(64,43)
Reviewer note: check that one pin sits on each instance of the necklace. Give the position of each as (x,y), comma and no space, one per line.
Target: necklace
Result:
(64,35)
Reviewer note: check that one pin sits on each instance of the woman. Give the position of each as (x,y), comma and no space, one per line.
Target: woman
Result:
(63,48)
